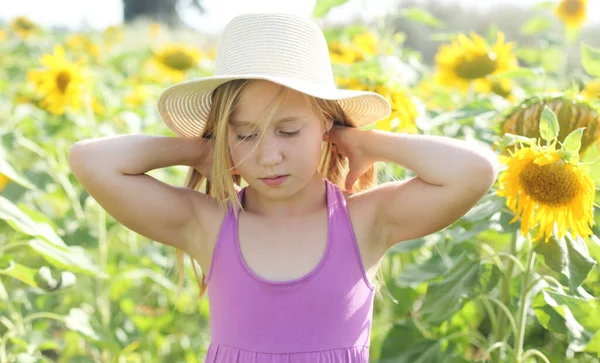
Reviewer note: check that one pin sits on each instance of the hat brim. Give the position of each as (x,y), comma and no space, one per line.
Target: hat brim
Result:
(184,106)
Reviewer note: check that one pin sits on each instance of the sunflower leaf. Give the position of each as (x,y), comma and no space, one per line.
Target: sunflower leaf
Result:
(590,59)
(569,257)
(322,7)
(572,143)
(548,125)
(536,25)
(422,16)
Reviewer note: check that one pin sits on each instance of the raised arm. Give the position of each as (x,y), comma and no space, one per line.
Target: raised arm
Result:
(451,177)
(112,170)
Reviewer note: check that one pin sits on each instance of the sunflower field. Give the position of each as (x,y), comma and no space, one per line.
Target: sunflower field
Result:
(517,279)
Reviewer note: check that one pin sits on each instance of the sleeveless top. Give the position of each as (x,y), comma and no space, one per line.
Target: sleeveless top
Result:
(323,316)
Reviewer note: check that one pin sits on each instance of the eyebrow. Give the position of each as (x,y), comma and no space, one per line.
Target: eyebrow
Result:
(281,120)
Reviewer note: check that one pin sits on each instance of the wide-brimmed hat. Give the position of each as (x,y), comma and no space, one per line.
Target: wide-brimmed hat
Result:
(281,48)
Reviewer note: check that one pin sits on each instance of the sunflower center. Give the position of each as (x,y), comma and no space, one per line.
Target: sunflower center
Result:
(550,184)
(573,6)
(24,24)
(62,81)
(477,66)
(178,60)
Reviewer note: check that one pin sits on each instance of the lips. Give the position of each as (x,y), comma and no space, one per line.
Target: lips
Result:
(274,180)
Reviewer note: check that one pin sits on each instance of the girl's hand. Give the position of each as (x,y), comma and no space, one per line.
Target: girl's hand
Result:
(347,141)
(203,162)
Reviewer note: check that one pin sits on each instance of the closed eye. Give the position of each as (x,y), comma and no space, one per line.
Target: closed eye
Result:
(290,134)
(246,138)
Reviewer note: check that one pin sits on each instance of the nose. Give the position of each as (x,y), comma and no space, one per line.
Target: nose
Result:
(269,151)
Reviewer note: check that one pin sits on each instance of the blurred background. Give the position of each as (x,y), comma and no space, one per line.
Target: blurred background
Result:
(76,286)
(210,16)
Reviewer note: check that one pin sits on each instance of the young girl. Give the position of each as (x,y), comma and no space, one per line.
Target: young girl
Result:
(290,259)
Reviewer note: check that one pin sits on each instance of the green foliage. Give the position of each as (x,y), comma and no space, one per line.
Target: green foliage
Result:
(76,286)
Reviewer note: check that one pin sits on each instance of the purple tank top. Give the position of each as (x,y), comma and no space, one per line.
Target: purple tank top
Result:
(323,316)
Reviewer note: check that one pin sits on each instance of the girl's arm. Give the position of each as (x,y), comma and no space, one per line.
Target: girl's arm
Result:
(452,176)
(112,170)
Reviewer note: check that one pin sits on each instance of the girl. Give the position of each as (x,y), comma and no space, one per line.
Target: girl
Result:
(289,260)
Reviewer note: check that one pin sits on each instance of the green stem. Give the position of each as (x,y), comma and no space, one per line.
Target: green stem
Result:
(44,314)
(524,301)
(14,244)
(532,352)
(500,333)
(504,309)
(495,346)
(101,288)
(103,300)
(58,175)
(507,255)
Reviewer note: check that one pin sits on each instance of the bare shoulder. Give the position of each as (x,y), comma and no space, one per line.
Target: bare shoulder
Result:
(362,211)
(204,228)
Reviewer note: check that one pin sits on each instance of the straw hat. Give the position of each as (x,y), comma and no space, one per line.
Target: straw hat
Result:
(280,48)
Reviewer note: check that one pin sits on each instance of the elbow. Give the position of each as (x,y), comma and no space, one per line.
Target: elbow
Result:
(80,159)
(486,171)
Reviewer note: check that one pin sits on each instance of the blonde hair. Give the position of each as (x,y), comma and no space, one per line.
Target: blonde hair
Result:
(222,188)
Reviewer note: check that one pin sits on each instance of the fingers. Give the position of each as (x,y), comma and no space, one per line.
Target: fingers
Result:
(351,178)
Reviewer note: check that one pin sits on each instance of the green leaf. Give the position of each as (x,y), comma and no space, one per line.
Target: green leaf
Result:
(572,143)
(563,314)
(322,7)
(415,274)
(522,72)
(468,279)
(548,125)
(592,157)
(79,321)
(421,16)
(21,222)
(568,257)
(580,261)
(590,59)
(536,25)
(399,338)
(71,258)
(509,139)
(21,273)
(485,208)
(15,176)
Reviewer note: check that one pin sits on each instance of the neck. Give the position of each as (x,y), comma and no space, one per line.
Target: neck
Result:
(306,200)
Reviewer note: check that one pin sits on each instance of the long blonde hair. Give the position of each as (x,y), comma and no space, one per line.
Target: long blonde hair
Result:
(222,186)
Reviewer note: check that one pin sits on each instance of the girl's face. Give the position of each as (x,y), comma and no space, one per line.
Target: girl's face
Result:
(281,157)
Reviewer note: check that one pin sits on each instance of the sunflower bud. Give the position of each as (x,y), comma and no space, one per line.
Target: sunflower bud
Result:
(572,114)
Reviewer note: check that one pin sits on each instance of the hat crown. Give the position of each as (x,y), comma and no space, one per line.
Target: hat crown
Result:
(278,45)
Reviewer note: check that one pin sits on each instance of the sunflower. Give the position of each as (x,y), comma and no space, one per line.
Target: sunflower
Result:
(572,113)
(83,44)
(23,27)
(138,96)
(60,83)
(591,90)
(468,60)
(175,60)
(341,53)
(572,12)
(4,180)
(544,190)
(154,29)
(367,43)
(404,110)
(362,46)
(113,35)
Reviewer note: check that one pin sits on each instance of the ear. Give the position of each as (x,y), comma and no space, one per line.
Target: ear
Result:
(328,125)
